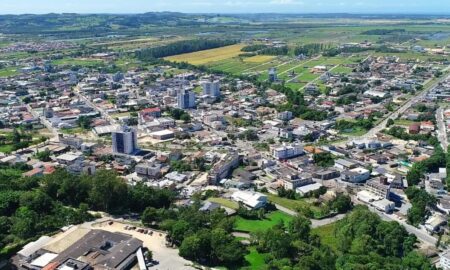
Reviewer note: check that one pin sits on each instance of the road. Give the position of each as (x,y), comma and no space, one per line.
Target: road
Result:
(104,114)
(394,115)
(43,120)
(314,222)
(422,235)
(442,130)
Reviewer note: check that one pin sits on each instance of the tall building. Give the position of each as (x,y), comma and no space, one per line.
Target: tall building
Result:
(124,141)
(186,99)
(211,88)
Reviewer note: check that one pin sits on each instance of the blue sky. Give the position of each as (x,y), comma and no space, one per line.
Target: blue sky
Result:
(226,6)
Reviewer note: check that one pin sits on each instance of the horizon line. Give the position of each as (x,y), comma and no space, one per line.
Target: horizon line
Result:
(238,13)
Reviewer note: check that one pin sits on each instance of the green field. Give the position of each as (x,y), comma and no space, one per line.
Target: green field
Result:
(78,62)
(10,71)
(254,259)
(295,205)
(271,220)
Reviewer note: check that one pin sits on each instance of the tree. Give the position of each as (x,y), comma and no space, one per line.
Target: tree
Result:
(44,155)
(108,192)
(299,228)
(24,223)
(149,216)
(342,203)
(390,122)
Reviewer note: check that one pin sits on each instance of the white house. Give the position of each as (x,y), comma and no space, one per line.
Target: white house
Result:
(356,175)
(253,200)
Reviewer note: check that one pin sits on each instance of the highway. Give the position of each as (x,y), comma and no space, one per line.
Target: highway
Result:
(442,129)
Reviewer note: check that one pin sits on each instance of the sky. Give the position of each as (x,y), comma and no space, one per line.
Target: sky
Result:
(226,6)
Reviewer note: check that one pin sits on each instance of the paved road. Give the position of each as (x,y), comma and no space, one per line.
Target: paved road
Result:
(394,115)
(43,120)
(421,234)
(442,130)
(314,222)
(104,114)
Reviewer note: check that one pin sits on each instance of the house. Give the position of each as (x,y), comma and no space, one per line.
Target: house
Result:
(303,190)
(291,182)
(326,174)
(344,164)
(378,187)
(434,223)
(414,128)
(250,199)
(356,175)
(427,126)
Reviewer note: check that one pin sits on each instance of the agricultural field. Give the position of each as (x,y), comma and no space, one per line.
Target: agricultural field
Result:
(208,56)
(84,62)
(259,58)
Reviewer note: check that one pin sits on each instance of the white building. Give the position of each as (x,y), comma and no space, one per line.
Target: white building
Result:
(211,88)
(356,175)
(124,141)
(287,151)
(253,200)
(445,260)
(186,99)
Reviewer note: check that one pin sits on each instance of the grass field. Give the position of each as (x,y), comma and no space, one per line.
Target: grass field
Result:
(225,202)
(259,58)
(326,234)
(208,56)
(10,71)
(254,259)
(404,122)
(78,62)
(293,205)
(271,219)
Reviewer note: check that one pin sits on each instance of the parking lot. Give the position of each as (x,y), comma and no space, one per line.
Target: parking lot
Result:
(167,257)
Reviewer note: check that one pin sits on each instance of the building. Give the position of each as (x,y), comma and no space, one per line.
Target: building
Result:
(326,174)
(223,168)
(149,112)
(273,74)
(250,199)
(344,164)
(285,116)
(378,187)
(303,190)
(211,88)
(149,170)
(291,182)
(186,99)
(445,260)
(356,175)
(124,141)
(163,135)
(287,151)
